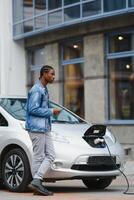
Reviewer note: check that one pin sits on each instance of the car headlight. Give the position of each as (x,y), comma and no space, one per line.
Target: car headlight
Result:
(59,138)
(111,136)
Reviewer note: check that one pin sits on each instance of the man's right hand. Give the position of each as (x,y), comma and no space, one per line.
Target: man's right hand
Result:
(56,111)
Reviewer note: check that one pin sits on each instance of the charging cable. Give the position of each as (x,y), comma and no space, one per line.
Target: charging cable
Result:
(126,191)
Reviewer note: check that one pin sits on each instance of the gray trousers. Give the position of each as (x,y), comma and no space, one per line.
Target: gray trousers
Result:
(43,153)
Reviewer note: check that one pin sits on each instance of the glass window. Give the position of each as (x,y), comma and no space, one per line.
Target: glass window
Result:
(55,18)
(18,10)
(38,57)
(40,22)
(16,107)
(74,88)
(3,121)
(121,83)
(18,29)
(65,116)
(114,5)
(121,42)
(36,60)
(28,26)
(72,50)
(53,4)
(72,13)
(28,8)
(40,6)
(92,8)
(131,3)
(67,2)
(73,74)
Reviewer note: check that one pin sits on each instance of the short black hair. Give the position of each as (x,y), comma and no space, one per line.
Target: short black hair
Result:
(45,69)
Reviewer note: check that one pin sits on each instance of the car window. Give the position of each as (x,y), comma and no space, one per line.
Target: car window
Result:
(3,121)
(17,108)
(65,116)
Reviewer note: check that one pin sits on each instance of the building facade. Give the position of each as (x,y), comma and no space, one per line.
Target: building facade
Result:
(91,45)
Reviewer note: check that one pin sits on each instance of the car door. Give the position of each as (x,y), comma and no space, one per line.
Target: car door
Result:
(3,130)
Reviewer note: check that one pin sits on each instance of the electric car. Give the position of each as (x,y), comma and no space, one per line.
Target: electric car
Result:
(84,151)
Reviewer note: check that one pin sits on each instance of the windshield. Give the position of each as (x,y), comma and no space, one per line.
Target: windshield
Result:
(17,108)
(65,116)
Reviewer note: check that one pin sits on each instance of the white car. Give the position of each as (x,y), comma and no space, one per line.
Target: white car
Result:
(83,151)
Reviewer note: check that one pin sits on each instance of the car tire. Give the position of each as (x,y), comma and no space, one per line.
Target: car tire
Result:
(16,172)
(1,185)
(99,183)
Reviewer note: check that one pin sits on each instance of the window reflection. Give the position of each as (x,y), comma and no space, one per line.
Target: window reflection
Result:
(71,13)
(114,5)
(28,26)
(35,75)
(121,42)
(74,88)
(36,60)
(72,50)
(121,74)
(92,8)
(67,2)
(72,10)
(53,4)
(40,6)
(73,74)
(55,18)
(131,3)
(28,8)
(40,22)
(18,10)
(18,29)
(16,107)
(65,116)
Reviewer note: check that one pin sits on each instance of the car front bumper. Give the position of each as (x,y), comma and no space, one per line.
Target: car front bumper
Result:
(76,171)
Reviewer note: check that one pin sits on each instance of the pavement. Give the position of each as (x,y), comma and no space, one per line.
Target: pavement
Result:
(129,168)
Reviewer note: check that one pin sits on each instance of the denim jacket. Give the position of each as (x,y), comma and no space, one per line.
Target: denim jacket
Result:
(38,112)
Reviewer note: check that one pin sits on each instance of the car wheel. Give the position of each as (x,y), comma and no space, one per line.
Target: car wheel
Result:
(99,183)
(16,172)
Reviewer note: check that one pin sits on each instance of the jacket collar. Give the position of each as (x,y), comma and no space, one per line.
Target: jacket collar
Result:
(40,84)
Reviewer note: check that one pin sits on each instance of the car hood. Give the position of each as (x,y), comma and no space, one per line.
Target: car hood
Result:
(67,130)
(70,130)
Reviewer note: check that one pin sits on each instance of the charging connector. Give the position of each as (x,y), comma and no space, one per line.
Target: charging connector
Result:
(98,140)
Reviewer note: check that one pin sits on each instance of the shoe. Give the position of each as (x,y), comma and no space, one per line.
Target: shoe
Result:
(38,193)
(38,188)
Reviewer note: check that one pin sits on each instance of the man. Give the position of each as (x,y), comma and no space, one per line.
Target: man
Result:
(38,124)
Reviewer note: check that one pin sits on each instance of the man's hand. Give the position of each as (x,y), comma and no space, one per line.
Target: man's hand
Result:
(56,111)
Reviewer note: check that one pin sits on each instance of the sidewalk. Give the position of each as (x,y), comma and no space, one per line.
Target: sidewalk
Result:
(129,168)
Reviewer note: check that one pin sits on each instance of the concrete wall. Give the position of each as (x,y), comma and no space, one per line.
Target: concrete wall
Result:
(12,56)
(94,78)
(125,135)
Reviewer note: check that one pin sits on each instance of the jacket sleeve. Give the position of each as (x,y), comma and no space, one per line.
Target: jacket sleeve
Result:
(34,108)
